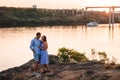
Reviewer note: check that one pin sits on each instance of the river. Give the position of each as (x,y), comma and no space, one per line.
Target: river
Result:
(14,49)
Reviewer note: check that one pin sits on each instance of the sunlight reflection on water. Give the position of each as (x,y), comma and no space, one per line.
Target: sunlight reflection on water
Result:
(15,41)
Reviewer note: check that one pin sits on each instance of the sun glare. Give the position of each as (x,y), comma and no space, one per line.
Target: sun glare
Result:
(59,4)
(101,3)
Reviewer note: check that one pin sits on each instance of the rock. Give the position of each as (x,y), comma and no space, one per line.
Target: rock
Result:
(90,70)
(54,59)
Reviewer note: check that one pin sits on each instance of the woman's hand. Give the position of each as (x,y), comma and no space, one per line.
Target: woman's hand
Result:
(39,47)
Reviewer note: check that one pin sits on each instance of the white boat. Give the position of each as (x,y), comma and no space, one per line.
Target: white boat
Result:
(92,24)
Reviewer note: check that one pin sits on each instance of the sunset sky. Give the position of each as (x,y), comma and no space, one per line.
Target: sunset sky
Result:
(59,4)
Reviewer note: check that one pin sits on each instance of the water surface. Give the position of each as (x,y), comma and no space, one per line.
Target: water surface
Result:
(14,49)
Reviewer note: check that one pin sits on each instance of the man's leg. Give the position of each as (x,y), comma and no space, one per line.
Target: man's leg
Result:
(35,66)
(36,59)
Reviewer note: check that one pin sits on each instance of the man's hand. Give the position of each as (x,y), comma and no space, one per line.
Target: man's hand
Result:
(33,50)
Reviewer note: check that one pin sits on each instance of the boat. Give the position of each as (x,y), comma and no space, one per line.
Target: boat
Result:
(92,24)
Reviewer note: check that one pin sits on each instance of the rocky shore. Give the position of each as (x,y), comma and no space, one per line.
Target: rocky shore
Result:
(90,70)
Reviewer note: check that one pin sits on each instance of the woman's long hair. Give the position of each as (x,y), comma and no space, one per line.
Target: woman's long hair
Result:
(45,39)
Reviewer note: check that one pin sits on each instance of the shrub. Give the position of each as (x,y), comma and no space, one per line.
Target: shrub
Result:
(113,61)
(103,57)
(70,55)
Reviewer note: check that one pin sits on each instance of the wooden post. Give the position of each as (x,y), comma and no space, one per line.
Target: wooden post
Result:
(113,16)
(109,16)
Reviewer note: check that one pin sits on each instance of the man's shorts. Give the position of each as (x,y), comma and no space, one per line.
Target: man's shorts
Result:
(36,56)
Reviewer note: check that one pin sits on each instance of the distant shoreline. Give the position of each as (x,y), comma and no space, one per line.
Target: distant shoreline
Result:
(12,17)
(43,25)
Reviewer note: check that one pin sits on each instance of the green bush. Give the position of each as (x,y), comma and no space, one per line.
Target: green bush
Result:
(103,57)
(70,55)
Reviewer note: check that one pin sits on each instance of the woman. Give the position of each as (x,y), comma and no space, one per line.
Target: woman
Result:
(44,54)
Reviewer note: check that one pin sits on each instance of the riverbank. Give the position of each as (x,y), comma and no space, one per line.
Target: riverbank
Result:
(90,70)
(12,17)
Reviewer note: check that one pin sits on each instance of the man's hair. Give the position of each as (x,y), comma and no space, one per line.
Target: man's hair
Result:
(38,33)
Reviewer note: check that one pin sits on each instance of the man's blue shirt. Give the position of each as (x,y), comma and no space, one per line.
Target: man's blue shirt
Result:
(34,45)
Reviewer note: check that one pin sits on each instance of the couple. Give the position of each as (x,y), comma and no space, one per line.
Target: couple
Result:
(39,48)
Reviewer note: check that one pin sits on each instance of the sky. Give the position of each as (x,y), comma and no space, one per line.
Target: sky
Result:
(59,4)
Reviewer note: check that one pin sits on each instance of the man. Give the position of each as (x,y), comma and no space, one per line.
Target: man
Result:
(36,51)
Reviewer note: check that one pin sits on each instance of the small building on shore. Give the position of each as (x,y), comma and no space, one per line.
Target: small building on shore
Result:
(34,6)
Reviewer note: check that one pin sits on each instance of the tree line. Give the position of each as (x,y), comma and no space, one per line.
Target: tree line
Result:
(12,17)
